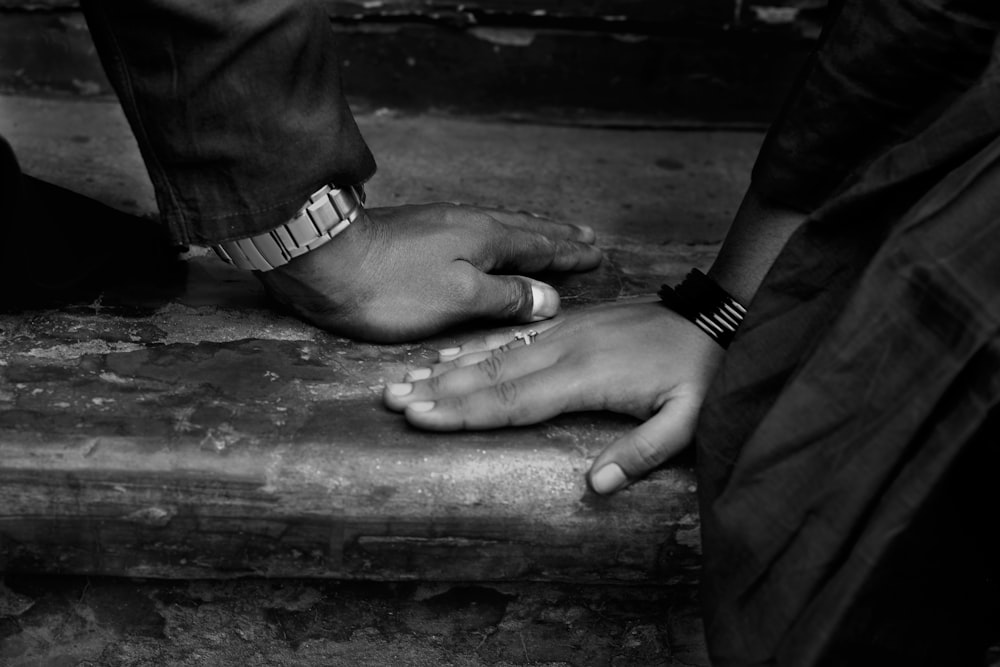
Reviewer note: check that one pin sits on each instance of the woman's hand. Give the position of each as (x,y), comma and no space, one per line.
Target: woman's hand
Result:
(637,358)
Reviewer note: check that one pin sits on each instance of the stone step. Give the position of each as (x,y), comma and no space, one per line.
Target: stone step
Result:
(311,623)
(184,429)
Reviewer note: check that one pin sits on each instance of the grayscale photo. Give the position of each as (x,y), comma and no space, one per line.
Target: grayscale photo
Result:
(496,333)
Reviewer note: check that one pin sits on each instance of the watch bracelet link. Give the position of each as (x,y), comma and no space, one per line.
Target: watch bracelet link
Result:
(329,211)
(700,300)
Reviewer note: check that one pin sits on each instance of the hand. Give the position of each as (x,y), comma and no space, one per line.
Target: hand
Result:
(639,359)
(407,272)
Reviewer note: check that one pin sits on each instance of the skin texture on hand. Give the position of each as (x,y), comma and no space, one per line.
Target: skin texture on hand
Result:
(635,358)
(407,272)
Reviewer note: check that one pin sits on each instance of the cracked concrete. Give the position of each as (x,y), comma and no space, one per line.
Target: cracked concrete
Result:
(112,623)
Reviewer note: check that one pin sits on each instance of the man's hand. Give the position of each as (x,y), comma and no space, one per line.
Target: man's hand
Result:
(407,272)
(638,358)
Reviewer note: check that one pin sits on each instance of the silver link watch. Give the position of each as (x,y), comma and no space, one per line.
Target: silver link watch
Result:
(329,211)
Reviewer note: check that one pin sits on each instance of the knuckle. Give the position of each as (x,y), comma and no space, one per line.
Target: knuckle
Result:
(486,221)
(450,407)
(450,213)
(568,253)
(647,453)
(491,367)
(469,218)
(433,384)
(455,405)
(547,245)
(516,301)
(506,393)
(464,290)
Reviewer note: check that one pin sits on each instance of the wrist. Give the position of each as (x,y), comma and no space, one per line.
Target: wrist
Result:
(701,301)
(328,212)
(754,241)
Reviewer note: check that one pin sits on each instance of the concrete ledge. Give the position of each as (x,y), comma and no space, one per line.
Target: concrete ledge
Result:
(203,442)
(274,457)
(183,428)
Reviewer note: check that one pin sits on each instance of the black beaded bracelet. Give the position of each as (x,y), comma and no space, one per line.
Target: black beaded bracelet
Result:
(699,299)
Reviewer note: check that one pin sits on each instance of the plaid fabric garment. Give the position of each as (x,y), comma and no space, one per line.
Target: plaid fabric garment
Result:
(847,450)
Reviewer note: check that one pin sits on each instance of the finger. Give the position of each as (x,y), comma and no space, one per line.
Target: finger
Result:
(501,343)
(510,249)
(490,341)
(448,366)
(526,400)
(554,230)
(496,367)
(515,298)
(646,447)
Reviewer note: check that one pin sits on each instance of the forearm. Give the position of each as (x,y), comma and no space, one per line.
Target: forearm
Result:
(757,235)
(866,89)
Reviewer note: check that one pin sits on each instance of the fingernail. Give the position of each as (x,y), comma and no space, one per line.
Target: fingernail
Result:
(401,389)
(608,479)
(589,235)
(449,352)
(419,374)
(544,302)
(421,406)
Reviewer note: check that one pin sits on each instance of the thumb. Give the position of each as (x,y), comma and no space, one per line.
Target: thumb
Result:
(644,448)
(515,298)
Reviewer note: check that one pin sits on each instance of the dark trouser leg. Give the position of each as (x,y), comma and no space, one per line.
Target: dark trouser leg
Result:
(236,106)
